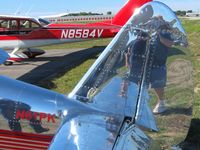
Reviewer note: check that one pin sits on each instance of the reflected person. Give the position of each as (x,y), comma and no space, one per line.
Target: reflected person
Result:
(156,72)
(159,70)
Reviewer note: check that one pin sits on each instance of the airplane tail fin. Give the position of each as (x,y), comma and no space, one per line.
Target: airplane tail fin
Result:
(127,10)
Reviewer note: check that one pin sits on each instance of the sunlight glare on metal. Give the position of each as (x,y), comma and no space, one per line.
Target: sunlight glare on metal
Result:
(65,112)
(137,10)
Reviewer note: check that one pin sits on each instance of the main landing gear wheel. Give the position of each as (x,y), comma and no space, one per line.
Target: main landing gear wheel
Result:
(8,63)
(32,53)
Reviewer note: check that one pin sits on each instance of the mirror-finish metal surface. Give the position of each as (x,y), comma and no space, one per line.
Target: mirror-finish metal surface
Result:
(87,132)
(142,82)
(26,108)
(145,68)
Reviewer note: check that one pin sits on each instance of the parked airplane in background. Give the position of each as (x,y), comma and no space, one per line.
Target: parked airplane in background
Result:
(24,32)
(96,115)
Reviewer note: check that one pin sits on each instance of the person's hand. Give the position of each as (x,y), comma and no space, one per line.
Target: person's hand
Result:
(168,43)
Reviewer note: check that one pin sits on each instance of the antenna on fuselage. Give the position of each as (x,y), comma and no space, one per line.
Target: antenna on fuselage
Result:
(29,10)
(17,10)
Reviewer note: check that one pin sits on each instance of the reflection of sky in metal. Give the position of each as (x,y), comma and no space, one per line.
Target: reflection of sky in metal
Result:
(40,100)
(131,37)
(73,132)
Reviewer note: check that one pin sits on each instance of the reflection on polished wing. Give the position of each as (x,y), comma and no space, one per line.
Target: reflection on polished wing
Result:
(110,108)
(118,81)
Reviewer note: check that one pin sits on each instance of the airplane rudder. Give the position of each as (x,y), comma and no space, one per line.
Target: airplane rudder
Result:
(127,10)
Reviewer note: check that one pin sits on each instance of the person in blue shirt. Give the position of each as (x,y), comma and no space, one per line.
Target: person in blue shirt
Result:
(156,70)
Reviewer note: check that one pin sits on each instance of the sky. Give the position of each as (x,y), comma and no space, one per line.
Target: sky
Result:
(50,7)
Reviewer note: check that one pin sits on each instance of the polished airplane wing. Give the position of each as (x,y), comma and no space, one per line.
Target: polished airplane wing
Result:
(117,93)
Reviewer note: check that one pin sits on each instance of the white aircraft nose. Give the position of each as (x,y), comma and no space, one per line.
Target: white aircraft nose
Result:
(3,56)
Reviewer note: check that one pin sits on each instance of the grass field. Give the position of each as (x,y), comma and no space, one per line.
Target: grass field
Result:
(66,80)
(85,44)
(192,28)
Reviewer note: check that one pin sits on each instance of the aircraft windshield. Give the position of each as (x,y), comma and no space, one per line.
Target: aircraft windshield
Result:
(139,60)
(43,22)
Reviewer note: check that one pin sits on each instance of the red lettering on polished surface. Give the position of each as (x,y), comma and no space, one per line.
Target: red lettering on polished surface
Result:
(51,117)
(42,116)
(35,114)
(20,115)
(28,115)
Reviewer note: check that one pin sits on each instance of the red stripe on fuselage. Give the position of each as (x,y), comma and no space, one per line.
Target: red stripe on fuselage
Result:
(55,32)
(29,136)
(22,145)
(23,141)
(28,142)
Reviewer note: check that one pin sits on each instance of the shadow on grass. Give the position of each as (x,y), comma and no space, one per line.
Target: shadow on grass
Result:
(181,111)
(192,141)
(58,64)
(175,51)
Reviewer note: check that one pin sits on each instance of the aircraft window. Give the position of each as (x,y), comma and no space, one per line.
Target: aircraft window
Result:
(24,24)
(43,22)
(3,23)
(8,27)
(34,25)
(9,24)
(25,27)
(13,24)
